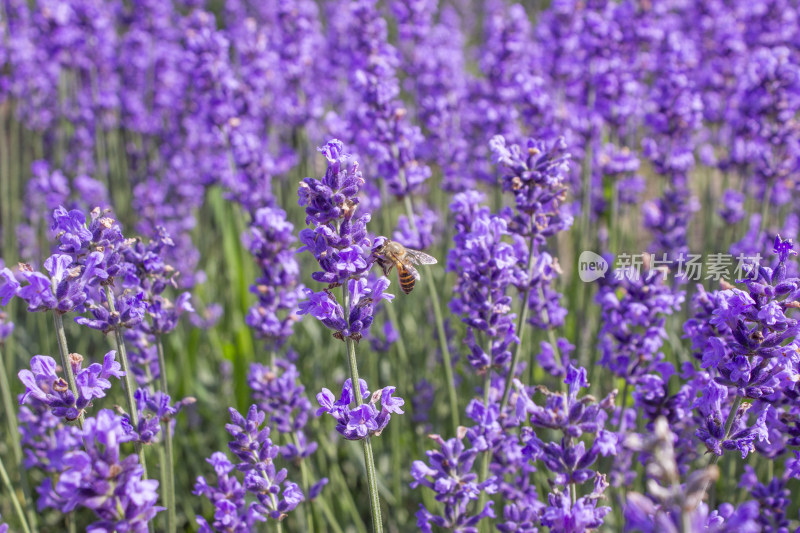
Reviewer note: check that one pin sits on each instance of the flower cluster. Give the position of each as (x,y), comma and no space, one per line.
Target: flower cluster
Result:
(154,409)
(275,496)
(100,478)
(486,266)
(43,383)
(356,423)
(269,240)
(340,244)
(754,356)
(449,473)
(635,308)
(280,394)
(569,460)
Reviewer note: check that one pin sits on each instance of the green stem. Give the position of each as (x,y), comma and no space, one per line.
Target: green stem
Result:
(369,460)
(13,431)
(129,380)
(437,312)
(523,317)
(5,189)
(487,456)
(169,479)
(14,500)
(624,403)
(63,351)
(326,510)
(306,484)
(278,525)
(397,427)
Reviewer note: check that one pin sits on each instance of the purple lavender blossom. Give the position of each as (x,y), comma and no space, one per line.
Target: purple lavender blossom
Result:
(153,410)
(537,180)
(232,512)
(270,240)
(486,268)
(365,419)
(748,348)
(340,244)
(569,460)
(634,316)
(64,289)
(254,449)
(771,501)
(449,474)
(43,384)
(278,391)
(100,478)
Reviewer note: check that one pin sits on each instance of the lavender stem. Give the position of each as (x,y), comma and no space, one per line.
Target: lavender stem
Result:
(523,317)
(129,382)
(63,351)
(369,460)
(728,425)
(13,431)
(14,500)
(169,479)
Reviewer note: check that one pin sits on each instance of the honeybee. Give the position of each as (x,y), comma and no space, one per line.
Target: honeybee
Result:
(394,254)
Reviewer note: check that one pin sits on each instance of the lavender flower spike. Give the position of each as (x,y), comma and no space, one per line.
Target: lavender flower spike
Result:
(255,451)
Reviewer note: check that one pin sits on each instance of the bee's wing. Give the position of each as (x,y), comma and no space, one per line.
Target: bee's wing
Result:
(420,258)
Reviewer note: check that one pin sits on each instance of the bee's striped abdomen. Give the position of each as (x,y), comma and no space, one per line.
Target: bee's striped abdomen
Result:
(407,279)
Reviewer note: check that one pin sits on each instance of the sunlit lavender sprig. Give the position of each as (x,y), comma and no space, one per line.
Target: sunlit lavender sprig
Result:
(338,240)
(155,409)
(340,244)
(757,359)
(278,391)
(635,306)
(537,179)
(280,394)
(275,496)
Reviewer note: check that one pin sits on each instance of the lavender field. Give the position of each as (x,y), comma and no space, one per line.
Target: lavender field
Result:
(553,243)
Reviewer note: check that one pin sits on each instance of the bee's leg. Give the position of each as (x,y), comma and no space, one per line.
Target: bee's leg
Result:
(386,266)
